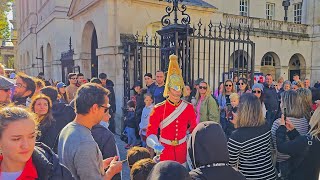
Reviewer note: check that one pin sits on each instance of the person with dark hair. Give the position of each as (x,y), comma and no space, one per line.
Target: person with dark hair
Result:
(61,112)
(210,159)
(39,85)
(250,144)
(96,80)
(130,125)
(63,97)
(80,79)
(141,169)
(135,154)
(21,157)
(296,77)
(77,149)
(41,105)
(187,95)
(72,88)
(158,91)
(166,170)
(271,100)
(25,88)
(257,90)
(107,83)
(243,86)
(151,86)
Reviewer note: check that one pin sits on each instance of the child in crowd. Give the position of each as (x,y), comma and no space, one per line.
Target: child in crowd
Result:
(137,153)
(130,125)
(145,118)
(234,100)
(141,169)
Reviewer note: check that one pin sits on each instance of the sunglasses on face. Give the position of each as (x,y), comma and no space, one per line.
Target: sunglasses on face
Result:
(228,85)
(241,84)
(202,87)
(106,109)
(5,90)
(256,92)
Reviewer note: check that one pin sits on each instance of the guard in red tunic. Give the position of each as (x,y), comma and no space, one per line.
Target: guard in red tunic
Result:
(173,116)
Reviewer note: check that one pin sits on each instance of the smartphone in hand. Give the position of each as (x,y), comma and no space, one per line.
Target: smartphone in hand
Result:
(285,115)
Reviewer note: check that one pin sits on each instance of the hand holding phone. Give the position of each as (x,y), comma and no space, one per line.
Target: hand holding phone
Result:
(285,115)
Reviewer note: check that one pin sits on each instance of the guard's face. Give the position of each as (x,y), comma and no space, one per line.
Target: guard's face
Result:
(177,92)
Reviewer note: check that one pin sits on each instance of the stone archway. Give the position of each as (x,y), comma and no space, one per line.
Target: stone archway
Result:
(270,64)
(48,62)
(297,65)
(89,47)
(240,62)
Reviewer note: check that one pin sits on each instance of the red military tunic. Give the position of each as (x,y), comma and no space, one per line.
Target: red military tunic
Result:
(177,130)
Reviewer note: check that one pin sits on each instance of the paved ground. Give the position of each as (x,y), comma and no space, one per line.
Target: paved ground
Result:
(123,155)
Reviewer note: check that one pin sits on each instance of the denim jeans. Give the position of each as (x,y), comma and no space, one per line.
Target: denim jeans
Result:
(131,133)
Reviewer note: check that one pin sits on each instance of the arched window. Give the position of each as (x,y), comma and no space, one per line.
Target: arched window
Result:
(268,61)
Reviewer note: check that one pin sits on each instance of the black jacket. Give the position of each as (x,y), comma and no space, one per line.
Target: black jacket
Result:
(105,140)
(48,132)
(112,97)
(271,98)
(208,146)
(47,164)
(130,120)
(21,101)
(304,162)
(63,114)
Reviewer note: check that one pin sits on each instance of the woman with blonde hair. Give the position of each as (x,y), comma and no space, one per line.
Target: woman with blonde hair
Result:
(41,105)
(250,144)
(206,107)
(304,150)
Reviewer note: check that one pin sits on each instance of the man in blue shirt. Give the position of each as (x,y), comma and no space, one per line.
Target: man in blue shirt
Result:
(158,92)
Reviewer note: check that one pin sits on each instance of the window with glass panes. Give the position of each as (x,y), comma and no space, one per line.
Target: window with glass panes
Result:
(270,11)
(268,61)
(244,4)
(297,13)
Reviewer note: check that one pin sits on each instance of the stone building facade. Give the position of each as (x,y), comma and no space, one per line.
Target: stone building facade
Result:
(95,27)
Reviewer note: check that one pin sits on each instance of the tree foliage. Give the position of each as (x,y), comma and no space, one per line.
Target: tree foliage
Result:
(5,6)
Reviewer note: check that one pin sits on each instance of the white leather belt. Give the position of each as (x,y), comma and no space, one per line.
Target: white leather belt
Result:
(173,142)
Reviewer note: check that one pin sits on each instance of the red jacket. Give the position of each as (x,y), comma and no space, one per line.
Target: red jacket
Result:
(29,172)
(176,130)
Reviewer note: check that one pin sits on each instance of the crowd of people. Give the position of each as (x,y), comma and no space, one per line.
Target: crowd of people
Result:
(50,130)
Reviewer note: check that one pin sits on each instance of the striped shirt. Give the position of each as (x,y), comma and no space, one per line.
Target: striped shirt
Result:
(250,152)
(302,127)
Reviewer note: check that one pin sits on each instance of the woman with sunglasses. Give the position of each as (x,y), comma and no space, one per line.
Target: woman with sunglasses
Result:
(206,107)
(224,101)
(243,86)
(257,90)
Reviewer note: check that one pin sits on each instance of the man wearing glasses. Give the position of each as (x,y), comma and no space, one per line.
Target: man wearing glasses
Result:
(5,90)
(25,88)
(72,88)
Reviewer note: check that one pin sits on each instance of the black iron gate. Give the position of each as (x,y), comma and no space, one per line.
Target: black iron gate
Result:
(214,52)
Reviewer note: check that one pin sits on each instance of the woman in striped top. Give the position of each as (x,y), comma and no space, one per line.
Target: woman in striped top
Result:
(250,144)
(295,113)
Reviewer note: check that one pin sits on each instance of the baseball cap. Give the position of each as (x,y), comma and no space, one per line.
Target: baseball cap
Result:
(137,83)
(60,85)
(198,81)
(6,83)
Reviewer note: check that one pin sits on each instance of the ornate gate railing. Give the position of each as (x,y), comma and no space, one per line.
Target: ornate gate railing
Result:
(214,52)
